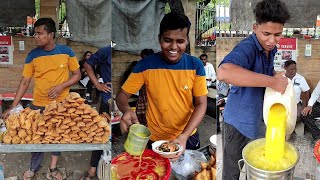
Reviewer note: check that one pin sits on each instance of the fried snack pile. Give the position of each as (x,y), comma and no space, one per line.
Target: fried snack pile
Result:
(168,147)
(69,122)
(208,170)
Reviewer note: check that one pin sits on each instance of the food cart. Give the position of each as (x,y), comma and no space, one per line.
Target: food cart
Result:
(43,147)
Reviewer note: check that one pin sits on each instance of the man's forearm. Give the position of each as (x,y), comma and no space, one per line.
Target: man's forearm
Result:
(238,76)
(122,100)
(23,86)
(306,98)
(91,74)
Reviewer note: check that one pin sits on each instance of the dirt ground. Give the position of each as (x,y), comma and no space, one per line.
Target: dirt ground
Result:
(73,164)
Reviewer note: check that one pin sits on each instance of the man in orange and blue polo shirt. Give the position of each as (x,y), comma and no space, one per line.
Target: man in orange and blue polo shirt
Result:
(49,64)
(176,87)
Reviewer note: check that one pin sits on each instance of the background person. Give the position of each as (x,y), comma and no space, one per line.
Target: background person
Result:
(311,111)
(85,80)
(209,69)
(300,85)
(102,58)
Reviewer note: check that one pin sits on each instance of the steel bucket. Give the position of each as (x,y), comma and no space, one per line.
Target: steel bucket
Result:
(253,173)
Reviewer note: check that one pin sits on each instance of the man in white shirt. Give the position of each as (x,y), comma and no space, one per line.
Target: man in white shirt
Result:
(310,112)
(300,86)
(208,67)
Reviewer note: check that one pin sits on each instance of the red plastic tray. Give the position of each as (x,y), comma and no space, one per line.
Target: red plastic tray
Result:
(125,157)
(10,96)
(316,150)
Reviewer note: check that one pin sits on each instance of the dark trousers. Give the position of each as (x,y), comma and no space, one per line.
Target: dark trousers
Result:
(233,142)
(222,104)
(96,155)
(36,157)
(193,142)
(90,87)
(309,121)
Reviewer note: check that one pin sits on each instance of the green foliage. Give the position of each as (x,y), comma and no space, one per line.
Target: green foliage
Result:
(221,2)
(37,5)
(167,8)
(62,12)
(206,19)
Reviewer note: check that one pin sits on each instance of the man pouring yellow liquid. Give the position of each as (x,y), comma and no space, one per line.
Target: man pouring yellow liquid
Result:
(249,67)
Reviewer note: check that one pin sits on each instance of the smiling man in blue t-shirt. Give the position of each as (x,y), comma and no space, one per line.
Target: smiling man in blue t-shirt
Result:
(249,68)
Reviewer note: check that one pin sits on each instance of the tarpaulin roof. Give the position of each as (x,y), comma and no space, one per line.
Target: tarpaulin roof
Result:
(132,24)
(135,24)
(90,21)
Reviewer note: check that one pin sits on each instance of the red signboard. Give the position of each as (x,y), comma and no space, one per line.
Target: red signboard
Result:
(5,40)
(287,44)
(6,50)
(287,50)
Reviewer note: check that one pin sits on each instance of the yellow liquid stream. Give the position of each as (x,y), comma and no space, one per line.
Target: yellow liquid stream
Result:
(276,132)
(273,153)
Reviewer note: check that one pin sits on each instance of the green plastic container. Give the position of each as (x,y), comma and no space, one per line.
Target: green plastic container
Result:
(137,139)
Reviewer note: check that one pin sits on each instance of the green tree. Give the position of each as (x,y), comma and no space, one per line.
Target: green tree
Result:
(37,5)
(62,11)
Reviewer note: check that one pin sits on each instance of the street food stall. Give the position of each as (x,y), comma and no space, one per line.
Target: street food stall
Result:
(70,125)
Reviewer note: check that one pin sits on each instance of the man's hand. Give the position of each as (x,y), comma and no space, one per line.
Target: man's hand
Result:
(55,91)
(220,102)
(129,117)
(307,110)
(104,87)
(280,83)
(182,140)
(6,114)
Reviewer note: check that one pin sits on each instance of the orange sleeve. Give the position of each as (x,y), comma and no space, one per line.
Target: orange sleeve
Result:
(134,82)
(28,70)
(200,86)
(73,63)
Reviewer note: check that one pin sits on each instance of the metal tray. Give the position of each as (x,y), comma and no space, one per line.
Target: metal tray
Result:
(14,148)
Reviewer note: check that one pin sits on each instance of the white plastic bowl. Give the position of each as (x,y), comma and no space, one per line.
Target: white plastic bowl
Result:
(213,141)
(155,148)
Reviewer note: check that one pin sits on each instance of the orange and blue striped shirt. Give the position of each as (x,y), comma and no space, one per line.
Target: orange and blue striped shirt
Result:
(170,92)
(49,68)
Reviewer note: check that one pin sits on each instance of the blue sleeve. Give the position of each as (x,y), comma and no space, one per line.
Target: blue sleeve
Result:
(70,51)
(103,55)
(31,56)
(139,67)
(146,63)
(199,67)
(242,55)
